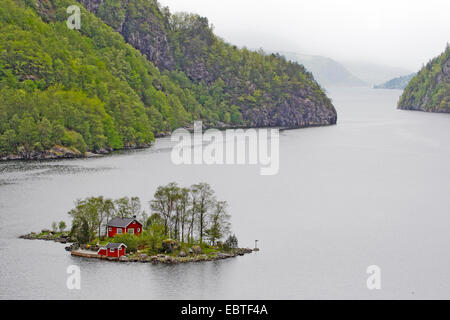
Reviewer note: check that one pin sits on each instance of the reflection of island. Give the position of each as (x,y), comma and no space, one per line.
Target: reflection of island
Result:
(182,219)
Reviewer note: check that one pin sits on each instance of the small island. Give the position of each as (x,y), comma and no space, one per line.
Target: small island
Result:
(186,225)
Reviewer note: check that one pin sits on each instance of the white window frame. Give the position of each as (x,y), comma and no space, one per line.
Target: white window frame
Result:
(119,230)
(130,230)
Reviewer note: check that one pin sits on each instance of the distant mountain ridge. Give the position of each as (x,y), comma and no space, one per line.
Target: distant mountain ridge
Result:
(374,73)
(396,83)
(429,90)
(326,71)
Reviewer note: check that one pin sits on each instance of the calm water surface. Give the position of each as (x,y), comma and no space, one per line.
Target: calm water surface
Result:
(373,189)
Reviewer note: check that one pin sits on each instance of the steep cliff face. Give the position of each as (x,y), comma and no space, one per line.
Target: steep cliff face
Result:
(141,25)
(265,90)
(429,90)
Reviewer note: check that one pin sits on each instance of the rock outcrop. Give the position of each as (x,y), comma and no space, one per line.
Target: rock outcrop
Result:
(144,31)
(57,152)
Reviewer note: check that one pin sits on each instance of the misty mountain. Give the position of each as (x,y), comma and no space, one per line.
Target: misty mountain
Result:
(373,73)
(396,83)
(326,71)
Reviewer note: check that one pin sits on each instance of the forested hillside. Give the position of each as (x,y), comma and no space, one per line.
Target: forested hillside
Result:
(235,85)
(429,90)
(396,83)
(88,90)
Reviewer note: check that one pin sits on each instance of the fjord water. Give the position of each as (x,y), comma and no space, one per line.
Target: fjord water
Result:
(372,190)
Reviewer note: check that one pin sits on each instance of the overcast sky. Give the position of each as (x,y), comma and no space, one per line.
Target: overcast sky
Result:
(403,33)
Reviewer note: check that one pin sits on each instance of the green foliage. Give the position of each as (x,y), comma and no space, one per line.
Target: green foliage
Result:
(429,90)
(62,226)
(89,90)
(219,223)
(154,219)
(84,89)
(97,211)
(189,213)
(126,207)
(86,219)
(154,235)
(231,242)
(130,240)
(80,231)
(179,214)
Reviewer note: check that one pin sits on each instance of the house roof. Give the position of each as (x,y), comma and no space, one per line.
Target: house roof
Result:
(113,245)
(121,222)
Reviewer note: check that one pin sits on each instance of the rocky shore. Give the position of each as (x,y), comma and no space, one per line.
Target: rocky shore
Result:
(159,258)
(194,254)
(57,152)
(48,235)
(60,152)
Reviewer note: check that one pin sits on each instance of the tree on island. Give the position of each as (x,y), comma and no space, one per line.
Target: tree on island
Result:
(127,208)
(86,216)
(181,214)
(163,203)
(183,207)
(231,242)
(62,226)
(193,209)
(206,201)
(219,223)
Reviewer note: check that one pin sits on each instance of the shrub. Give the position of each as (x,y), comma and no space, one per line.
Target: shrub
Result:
(62,226)
(231,243)
(130,240)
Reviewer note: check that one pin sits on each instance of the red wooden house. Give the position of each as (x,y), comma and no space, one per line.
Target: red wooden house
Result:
(123,225)
(114,250)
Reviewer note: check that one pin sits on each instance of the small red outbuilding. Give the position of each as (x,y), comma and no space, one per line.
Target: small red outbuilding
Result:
(114,250)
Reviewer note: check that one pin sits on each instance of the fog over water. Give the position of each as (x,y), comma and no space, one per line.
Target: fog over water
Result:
(371,190)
